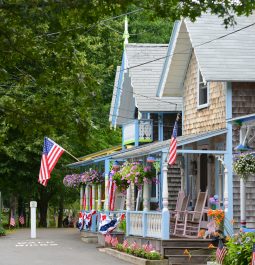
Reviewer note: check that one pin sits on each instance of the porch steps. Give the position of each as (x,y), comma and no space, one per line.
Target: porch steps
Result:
(174,184)
(174,249)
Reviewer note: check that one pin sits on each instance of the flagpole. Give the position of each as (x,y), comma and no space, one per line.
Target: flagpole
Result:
(71,155)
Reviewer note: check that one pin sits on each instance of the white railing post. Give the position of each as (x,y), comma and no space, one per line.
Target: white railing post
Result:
(87,197)
(146,197)
(165,212)
(242,202)
(93,196)
(99,197)
(81,196)
(128,208)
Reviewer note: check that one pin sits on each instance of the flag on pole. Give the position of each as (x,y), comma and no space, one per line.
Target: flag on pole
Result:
(221,252)
(51,153)
(114,241)
(253,255)
(173,145)
(21,219)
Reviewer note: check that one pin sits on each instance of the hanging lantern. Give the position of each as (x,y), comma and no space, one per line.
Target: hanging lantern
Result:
(116,165)
(150,159)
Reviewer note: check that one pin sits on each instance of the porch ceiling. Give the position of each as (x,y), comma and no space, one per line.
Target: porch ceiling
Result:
(163,146)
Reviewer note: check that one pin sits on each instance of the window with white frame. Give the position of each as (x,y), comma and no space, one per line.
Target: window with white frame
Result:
(202,92)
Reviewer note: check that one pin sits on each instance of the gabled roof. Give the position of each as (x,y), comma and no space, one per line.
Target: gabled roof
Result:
(145,77)
(223,54)
(114,93)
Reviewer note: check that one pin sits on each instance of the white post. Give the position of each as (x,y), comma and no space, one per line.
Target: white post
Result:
(87,197)
(226,189)
(93,196)
(99,196)
(242,202)
(81,196)
(146,197)
(106,202)
(33,205)
(165,225)
(128,202)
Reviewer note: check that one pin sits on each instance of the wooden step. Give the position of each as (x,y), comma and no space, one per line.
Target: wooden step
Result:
(184,259)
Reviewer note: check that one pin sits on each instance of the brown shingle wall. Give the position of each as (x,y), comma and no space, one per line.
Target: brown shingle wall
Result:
(207,119)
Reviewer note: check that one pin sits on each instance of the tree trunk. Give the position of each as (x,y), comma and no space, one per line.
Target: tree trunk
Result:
(60,212)
(43,213)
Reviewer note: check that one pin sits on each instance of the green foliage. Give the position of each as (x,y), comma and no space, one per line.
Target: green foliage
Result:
(2,231)
(245,166)
(122,225)
(240,249)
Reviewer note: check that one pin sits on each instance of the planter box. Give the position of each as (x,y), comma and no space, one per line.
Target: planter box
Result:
(132,259)
(101,241)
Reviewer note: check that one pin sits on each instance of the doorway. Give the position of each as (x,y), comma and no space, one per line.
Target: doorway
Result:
(203,172)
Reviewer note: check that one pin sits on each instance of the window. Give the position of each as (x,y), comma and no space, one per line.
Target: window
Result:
(203,92)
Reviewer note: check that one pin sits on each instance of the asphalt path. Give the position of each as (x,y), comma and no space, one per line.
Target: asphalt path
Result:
(51,247)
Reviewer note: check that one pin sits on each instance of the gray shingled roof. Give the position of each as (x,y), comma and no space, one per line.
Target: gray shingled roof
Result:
(145,78)
(228,59)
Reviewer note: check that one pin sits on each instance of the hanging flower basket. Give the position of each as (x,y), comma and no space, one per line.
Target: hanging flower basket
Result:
(121,183)
(95,177)
(245,166)
(72,181)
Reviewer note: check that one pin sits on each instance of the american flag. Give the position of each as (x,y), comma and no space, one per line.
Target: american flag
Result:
(114,241)
(134,246)
(12,220)
(173,145)
(125,244)
(148,247)
(108,239)
(221,252)
(51,154)
(21,219)
(253,255)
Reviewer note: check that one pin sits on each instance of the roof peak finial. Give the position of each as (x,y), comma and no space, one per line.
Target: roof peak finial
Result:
(126,34)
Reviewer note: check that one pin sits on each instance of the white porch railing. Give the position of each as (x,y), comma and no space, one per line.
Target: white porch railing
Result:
(145,224)
(136,223)
(154,223)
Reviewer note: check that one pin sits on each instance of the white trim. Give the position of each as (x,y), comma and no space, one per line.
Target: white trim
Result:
(202,106)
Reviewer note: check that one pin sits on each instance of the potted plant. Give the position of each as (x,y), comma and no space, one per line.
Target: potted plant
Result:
(244,166)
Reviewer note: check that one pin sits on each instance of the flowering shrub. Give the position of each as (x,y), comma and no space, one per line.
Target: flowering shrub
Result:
(245,166)
(239,249)
(218,215)
(143,252)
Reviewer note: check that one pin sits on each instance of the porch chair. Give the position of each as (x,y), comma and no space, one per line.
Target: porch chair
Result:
(181,206)
(188,223)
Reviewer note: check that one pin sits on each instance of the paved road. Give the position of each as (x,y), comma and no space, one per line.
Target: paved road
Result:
(51,247)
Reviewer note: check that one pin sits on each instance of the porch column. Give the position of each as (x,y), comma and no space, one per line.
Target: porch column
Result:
(99,195)
(165,211)
(93,196)
(243,202)
(146,197)
(81,197)
(87,197)
(107,170)
(226,190)
(128,208)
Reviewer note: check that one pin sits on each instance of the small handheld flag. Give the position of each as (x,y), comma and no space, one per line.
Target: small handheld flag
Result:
(12,220)
(50,156)
(221,252)
(22,219)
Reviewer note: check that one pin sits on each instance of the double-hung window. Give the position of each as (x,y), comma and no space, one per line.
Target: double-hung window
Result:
(202,92)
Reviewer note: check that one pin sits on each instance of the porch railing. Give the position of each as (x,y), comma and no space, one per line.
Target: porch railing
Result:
(145,224)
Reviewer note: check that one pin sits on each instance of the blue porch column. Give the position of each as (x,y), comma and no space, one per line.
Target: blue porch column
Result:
(165,211)
(228,159)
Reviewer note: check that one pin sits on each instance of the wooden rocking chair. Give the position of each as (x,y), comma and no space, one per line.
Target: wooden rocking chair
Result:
(181,206)
(188,223)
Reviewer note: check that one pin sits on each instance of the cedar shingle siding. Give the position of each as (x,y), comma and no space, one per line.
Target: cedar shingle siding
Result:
(207,119)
